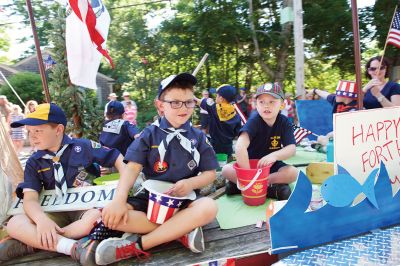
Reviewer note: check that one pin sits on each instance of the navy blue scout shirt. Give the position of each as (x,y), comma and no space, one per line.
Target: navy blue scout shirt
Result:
(222,133)
(177,161)
(341,107)
(80,153)
(265,139)
(118,134)
(391,88)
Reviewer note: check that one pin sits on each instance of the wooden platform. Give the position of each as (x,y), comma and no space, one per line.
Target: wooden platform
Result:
(219,244)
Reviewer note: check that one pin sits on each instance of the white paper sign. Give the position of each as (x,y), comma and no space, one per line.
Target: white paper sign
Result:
(364,138)
(81,198)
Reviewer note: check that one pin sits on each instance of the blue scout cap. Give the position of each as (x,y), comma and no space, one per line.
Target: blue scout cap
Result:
(227,92)
(273,89)
(115,107)
(180,77)
(44,113)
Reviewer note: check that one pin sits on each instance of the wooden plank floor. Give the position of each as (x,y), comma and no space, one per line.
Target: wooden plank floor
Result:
(219,244)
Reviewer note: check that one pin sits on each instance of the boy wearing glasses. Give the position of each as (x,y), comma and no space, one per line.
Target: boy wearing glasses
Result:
(170,150)
(267,136)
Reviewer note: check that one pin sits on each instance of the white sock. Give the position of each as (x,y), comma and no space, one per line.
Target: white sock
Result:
(65,245)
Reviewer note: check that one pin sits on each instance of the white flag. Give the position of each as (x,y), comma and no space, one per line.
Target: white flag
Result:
(85,35)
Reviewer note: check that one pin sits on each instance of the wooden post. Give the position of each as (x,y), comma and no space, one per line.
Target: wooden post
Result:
(357,54)
(298,46)
(38,52)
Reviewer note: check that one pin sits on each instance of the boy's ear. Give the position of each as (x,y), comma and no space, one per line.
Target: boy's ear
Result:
(282,106)
(158,104)
(60,129)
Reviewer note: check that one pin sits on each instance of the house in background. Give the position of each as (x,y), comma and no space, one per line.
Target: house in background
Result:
(29,64)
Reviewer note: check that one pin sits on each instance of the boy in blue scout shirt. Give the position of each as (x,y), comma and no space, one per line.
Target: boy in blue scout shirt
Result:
(267,136)
(170,150)
(58,163)
(224,122)
(117,133)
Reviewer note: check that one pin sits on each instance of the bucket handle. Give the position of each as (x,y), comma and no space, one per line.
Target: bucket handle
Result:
(259,171)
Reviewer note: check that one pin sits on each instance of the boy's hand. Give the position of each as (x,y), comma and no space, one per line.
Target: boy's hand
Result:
(47,231)
(114,213)
(266,160)
(180,189)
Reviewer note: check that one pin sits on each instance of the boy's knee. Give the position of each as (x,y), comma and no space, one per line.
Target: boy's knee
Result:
(209,208)
(16,223)
(229,172)
(293,173)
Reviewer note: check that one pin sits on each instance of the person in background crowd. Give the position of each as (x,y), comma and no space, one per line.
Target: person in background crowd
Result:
(288,110)
(17,134)
(130,113)
(378,91)
(127,98)
(204,117)
(5,109)
(242,101)
(111,97)
(30,107)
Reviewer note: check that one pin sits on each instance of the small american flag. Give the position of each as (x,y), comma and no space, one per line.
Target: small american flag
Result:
(48,62)
(394,33)
(300,133)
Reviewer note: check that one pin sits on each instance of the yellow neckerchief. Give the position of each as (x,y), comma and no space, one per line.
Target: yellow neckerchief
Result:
(225,111)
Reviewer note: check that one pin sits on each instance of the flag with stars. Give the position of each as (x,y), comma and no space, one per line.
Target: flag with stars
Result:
(48,62)
(300,133)
(161,208)
(394,33)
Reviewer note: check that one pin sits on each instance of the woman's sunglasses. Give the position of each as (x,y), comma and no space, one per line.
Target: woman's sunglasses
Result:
(375,68)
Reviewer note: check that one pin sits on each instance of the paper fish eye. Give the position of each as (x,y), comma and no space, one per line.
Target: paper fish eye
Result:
(325,185)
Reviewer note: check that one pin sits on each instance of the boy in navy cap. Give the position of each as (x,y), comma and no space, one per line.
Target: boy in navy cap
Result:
(267,136)
(224,122)
(170,150)
(117,133)
(58,164)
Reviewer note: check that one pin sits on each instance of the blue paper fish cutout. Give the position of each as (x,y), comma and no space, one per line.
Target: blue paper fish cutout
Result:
(341,190)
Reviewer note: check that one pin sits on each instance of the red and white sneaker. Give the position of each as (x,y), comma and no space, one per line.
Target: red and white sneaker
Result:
(194,240)
(115,249)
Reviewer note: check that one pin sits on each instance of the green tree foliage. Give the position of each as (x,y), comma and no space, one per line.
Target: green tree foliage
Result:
(28,86)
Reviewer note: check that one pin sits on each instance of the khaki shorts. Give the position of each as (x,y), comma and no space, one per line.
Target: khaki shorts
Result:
(63,219)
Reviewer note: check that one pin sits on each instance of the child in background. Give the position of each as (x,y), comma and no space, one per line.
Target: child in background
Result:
(170,150)
(224,121)
(204,117)
(117,133)
(130,113)
(267,136)
(59,163)
(17,134)
(30,107)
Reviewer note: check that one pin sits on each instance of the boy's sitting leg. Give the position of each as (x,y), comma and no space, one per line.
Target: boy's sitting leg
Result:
(82,251)
(229,173)
(197,214)
(278,187)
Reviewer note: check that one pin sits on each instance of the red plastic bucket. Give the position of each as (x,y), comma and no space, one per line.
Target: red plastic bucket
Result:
(253,183)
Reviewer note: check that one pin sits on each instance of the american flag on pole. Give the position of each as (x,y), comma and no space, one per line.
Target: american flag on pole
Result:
(86,32)
(161,208)
(394,33)
(300,133)
(48,62)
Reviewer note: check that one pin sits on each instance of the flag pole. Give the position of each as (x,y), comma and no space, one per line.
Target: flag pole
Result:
(357,53)
(38,52)
(387,37)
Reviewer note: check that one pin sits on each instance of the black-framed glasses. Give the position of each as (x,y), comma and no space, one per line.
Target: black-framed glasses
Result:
(375,68)
(179,104)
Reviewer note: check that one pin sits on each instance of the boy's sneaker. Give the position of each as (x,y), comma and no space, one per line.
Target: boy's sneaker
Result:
(84,251)
(279,191)
(194,240)
(11,248)
(231,188)
(115,249)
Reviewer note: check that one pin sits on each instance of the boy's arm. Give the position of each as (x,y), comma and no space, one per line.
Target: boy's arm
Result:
(279,155)
(119,163)
(242,156)
(117,209)
(47,229)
